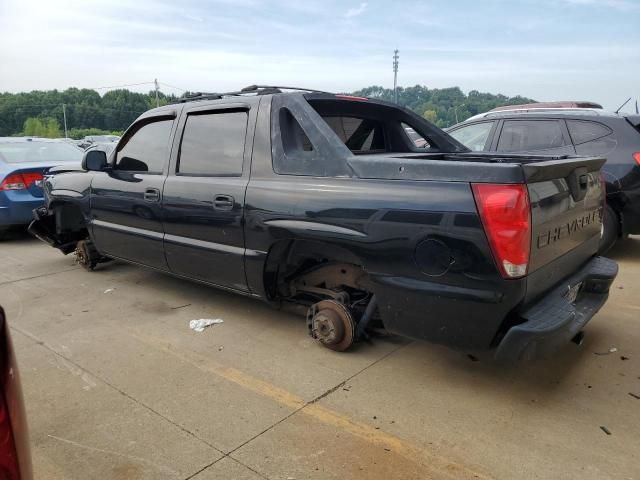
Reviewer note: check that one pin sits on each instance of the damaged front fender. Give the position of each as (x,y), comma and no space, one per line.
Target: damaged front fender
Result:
(61,227)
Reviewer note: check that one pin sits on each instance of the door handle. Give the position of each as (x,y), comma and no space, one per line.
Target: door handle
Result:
(151,195)
(223,202)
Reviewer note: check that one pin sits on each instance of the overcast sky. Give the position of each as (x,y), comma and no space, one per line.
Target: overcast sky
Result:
(544,49)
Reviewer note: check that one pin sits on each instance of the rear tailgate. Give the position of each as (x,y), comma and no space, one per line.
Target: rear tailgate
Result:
(566,199)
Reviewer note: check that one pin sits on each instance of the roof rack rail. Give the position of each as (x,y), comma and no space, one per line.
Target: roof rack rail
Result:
(549,105)
(590,111)
(191,97)
(251,89)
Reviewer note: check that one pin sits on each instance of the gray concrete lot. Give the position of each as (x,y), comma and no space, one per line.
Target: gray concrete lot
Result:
(118,387)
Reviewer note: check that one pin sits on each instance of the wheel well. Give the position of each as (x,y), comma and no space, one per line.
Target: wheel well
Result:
(69,218)
(291,263)
(618,218)
(65,225)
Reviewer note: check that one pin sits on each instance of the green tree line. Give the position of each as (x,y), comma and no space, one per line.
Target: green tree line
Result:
(89,113)
(50,128)
(85,109)
(443,106)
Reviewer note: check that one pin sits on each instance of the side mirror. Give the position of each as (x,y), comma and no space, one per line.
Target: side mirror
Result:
(94,160)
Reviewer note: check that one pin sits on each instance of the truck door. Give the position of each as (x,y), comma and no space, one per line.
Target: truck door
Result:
(126,202)
(204,194)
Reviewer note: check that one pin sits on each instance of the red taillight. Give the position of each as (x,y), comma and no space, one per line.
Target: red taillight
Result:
(506,217)
(13,182)
(31,177)
(20,181)
(636,157)
(11,406)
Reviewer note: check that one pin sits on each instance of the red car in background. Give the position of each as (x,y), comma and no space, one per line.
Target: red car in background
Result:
(15,454)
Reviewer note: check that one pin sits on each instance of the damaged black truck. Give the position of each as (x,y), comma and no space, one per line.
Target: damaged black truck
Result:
(358,209)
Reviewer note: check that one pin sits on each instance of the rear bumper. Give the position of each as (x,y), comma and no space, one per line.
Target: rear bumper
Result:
(16,207)
(554,320)
(631,219)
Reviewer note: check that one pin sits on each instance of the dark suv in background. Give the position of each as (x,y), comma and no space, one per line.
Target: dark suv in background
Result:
(570,129)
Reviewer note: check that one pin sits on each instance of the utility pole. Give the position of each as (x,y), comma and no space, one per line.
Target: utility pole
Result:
(395,74)
(64,116)
(157,87)
(455,110)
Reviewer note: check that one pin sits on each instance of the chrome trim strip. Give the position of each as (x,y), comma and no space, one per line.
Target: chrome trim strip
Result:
(127,229)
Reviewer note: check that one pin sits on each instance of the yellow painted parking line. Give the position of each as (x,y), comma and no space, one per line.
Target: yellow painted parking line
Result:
(435,464)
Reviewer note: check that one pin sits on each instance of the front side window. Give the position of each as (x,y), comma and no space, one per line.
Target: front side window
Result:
(530,135)
(213,144)
(147,150)
(474,136)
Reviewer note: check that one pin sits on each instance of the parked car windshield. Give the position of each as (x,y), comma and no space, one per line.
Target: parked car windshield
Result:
(25,152)
(473,136)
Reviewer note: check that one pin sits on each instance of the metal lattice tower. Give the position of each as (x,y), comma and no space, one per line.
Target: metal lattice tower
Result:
(395,74)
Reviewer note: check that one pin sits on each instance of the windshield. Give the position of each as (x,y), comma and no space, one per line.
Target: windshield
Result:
(25,152)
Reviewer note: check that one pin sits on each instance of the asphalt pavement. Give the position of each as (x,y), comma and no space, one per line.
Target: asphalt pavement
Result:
(118,387)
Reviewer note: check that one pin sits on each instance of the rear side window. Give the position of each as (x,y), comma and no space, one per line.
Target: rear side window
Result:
(213,144)
(147,149)
(528,135)
(474,136)
(585,131)
(358,134)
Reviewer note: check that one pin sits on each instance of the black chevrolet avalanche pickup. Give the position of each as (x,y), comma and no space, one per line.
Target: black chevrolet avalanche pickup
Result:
(358,209)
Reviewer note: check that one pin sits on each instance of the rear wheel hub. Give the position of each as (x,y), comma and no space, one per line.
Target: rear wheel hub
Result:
(332,325)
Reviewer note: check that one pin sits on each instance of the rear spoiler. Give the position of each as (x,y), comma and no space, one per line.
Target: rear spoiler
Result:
(553,169)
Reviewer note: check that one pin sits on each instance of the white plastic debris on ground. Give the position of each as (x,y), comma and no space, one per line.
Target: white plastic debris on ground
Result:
(202,323)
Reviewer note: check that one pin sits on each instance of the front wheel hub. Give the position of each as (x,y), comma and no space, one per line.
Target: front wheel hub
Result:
(86,254)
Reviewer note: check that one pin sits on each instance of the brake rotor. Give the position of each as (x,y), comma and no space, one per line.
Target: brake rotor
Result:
(333,326)
(85,255)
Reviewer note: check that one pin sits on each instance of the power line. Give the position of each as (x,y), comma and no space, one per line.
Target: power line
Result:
(172,86)
(138,84)
(122,86)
